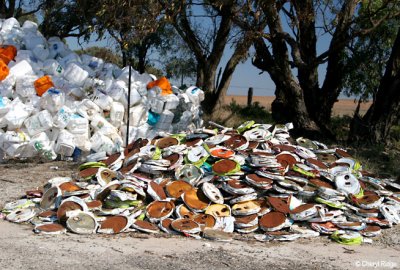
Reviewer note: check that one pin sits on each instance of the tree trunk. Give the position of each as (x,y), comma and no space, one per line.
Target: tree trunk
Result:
(384,112)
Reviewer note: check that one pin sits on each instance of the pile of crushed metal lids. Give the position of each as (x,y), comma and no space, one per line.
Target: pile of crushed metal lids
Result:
(210,183)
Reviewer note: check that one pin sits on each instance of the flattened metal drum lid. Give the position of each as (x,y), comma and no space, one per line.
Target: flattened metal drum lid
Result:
(319,183)
(106,191)
(53,228)
(185,225)
(105,176)
(111,159)
(212,193)
(286,160)
(258,180)
(158,190)
(21,215)
(221,152)
(69,187)
(317,163)
(50,198)
(224,166)
(195,199)
(204,220)
(279,204)
(284,147)
(245,219)
(193,142)
(219,210)
(145,226)
(160,209)
(173,158)
(165,225)
(176,188)
(236,184)
(253,145)
(342,153)
(372,229)
(302,208)
(368,199)
(82,223)
(236,142)
(184,212)
(89,172)
(217,235)
(94,204)
(272,220)
(136,145)
(128,168)
(47,214)
(64,208)
(166,142)
(246,208)
(115,223)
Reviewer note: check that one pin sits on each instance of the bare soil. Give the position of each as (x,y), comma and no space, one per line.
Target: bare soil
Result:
(22,249)
(342,107)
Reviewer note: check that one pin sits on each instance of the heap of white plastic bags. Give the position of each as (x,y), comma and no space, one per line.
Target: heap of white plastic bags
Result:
(56,102)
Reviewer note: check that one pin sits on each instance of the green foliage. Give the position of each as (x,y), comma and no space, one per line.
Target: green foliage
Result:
(367,55)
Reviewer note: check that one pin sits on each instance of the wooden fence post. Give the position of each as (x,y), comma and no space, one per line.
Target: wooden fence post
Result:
(249,96)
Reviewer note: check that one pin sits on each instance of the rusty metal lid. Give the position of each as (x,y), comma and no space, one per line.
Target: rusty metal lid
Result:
(65,207)
(204,220)
(166,142)
(156,191)
(195,199)
(159,209)
(224,166)
(279,204)
(53,228)
(114,223)
(145,226)
(236,142)
(272,221)
(185,225)
(176,188)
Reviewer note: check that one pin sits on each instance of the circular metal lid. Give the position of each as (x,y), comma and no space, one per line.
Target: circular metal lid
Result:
(204,220)
(64,208)
(82,223)
(160,209)
(114,223)
(272,220)
(224,166)
(166,142)
(185,225)
(145,226)
(195,199)
(53,228)
(176,188)
(50,198)
(279,204)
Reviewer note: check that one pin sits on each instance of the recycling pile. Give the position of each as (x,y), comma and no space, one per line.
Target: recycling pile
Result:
(55,102)
(213,182)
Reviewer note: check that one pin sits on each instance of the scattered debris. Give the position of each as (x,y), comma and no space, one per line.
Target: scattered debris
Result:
(212,183)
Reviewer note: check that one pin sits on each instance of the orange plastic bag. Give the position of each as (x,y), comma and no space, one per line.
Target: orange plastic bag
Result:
(163,83)
(7,53)
(4,71)
(43,84)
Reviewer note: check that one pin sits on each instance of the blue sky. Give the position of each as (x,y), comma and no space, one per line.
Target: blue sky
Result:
(245,75)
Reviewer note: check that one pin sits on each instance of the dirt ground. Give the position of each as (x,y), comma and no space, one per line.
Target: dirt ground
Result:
(22,249)
(342,107)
